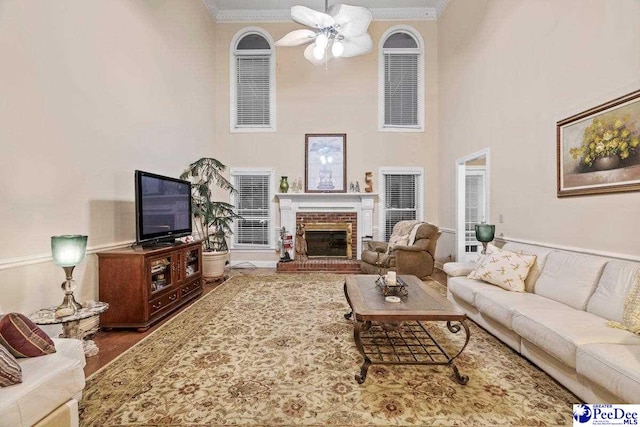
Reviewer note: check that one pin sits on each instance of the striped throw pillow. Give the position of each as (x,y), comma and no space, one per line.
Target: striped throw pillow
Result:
(23,338)
(10,371)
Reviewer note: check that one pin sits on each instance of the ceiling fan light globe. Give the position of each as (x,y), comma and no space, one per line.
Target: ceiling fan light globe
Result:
(337,48)
(318,52)
(322,40)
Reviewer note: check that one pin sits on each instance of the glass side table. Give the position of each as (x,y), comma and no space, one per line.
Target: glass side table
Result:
(71,324)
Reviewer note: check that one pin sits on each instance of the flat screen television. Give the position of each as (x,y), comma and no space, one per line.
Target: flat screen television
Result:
(163,208)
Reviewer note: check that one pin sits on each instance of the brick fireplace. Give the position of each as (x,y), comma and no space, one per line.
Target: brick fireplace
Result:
(328,213)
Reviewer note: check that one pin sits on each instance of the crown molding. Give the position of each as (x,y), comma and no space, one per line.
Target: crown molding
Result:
(211,7)
(284,15)
(405,14)
(245,15)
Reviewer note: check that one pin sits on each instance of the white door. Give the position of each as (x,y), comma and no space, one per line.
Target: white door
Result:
(472,203)
(474,209)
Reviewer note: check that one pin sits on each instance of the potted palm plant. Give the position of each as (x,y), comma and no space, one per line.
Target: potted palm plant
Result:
(212,219)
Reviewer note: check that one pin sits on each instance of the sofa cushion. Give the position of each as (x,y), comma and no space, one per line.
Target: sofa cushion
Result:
(569,278)
(505,269)
(23,338)
(465,288)
(454,269)
(47,382)
(616,368)
(560,332)
(10,372)
(613,287)
(541,257)
(500,304)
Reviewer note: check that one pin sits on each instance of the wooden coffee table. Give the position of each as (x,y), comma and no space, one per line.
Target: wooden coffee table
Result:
(394,333)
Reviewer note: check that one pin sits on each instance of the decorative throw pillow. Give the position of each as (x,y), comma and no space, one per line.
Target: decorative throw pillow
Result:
(631,310)
(23,338)
(10,371)
(481,258)
(505,269)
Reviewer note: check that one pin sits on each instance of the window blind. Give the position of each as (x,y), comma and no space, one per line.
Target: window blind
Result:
(253,90)
(252,203)
(401,89)
(400,197)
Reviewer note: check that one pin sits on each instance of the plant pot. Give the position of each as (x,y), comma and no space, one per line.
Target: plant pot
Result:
(213,264)
(606,163)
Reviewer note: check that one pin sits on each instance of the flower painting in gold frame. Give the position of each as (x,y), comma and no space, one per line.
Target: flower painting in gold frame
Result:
(599,149)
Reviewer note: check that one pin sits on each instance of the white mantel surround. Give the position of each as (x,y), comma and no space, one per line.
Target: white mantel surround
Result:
(360,203)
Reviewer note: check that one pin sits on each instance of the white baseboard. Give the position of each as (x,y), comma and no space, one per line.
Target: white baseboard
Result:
(253,264)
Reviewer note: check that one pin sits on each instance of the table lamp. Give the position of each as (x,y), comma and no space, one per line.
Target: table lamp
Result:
(68,251)
(485,234)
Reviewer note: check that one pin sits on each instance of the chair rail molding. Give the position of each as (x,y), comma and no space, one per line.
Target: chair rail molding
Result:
(9,263)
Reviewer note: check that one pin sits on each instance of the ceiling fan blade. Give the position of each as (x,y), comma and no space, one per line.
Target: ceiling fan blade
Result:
(308,54)
(357,46)
(297,38)
(311,18)
(353,20)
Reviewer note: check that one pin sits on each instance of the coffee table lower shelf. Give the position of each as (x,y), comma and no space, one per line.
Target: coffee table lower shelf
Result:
(408,343)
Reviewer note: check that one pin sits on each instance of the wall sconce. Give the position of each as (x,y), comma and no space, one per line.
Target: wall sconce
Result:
(68,251)
(485,234)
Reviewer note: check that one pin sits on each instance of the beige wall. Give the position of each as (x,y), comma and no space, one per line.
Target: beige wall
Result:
(91,91)
(509,70)
(341,99)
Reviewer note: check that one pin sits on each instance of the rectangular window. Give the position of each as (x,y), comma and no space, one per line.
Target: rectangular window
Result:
(253,101)
(401,90)
(253,203)
(402,198)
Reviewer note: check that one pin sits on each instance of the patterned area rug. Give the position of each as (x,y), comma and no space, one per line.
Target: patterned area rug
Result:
(276,351)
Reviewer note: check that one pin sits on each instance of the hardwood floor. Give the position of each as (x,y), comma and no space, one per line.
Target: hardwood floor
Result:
(116,341)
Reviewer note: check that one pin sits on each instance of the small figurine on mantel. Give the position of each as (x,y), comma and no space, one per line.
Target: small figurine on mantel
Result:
(301,243)
(357,188)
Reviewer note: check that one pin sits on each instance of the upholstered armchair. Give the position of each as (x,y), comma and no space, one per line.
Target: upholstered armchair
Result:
(411,250)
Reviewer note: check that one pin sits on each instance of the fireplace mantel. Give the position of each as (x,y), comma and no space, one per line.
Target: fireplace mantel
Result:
(360,203)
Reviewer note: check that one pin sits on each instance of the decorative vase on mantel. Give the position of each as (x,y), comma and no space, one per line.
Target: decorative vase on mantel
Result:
(607,162)
(284,184)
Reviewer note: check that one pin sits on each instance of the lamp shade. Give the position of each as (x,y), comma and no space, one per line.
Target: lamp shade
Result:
(485,232)
(68,250)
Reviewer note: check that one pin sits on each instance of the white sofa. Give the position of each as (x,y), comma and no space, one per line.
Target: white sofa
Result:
(50,390)
(560,321)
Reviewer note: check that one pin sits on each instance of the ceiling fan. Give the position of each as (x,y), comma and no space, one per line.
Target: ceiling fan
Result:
(341,31)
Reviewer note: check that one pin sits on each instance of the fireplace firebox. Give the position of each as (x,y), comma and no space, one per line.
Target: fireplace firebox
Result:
(329,239)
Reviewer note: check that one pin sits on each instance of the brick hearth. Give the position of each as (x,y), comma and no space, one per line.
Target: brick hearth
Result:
(325,265)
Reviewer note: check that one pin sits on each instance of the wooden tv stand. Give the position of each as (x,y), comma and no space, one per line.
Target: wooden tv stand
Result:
(144,285)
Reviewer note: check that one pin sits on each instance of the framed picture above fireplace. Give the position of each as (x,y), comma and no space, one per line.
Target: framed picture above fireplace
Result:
(325,163)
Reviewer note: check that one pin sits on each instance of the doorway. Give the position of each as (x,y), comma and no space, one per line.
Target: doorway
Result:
(472,202)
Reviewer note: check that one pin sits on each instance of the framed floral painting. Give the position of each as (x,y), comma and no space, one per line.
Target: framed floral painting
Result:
(599,149)
(325,163)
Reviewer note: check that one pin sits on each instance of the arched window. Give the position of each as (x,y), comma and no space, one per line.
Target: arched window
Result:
(252,62)
(401,80)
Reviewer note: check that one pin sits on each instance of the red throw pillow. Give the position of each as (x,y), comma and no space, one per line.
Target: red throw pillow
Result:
(10,371)
(23,338)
